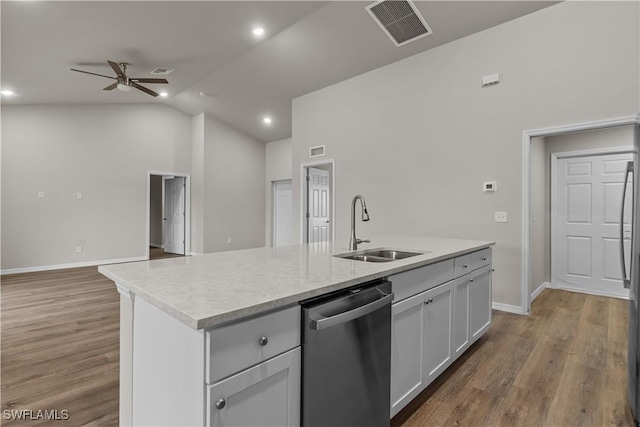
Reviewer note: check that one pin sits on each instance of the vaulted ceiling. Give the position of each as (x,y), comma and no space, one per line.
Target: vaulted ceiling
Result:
(306,46)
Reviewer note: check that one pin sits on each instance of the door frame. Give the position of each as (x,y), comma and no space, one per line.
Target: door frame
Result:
(594,152)
(304,195)
(527,139)
(187,206)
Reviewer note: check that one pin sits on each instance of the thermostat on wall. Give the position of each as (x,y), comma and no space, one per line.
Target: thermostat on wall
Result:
(489,187)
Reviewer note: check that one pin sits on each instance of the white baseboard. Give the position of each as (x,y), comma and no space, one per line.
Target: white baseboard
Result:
(195,253)
(539,290)
(70,265)
(588,292)
(156,245)
(507,307)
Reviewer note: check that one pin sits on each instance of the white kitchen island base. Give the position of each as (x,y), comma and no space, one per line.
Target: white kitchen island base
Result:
(206,342)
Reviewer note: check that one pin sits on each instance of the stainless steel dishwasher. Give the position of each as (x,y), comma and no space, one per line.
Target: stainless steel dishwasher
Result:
(346,357)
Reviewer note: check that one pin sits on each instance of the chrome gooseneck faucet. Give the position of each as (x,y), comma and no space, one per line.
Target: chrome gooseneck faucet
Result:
(353,241)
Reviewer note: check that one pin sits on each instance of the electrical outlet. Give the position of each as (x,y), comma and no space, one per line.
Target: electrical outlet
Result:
(79,196)
(229,240)
(41,194)
(78,249)
(501,217)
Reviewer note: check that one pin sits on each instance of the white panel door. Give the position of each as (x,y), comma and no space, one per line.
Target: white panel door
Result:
(283,213)
(318,213)
(174,215)
(585,232)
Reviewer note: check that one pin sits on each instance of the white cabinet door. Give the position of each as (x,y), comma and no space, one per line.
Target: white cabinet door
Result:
(437,323)
(406,351)
(480,302)
(266,395)
(461,316)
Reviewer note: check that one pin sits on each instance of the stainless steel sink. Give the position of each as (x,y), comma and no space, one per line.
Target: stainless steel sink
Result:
(379,255)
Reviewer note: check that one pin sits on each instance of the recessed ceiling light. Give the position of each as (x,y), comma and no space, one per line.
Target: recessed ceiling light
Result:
(6,92)
(266,120)
(258,31)
(164,94)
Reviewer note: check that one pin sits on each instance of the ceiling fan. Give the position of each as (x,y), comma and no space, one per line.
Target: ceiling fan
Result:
(125,83)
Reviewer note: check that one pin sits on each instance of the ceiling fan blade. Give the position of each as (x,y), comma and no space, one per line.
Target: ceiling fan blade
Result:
(111,86)
(151,80)
(144,89)
(94,74)
(116,69)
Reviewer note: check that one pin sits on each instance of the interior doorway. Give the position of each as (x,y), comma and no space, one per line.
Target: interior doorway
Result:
(536,167)
(282,224)
(168,214)
(318,202)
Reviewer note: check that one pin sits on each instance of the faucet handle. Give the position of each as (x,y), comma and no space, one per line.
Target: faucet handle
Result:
(358,241)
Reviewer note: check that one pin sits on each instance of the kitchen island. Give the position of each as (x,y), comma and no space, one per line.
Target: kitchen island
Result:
(182,318)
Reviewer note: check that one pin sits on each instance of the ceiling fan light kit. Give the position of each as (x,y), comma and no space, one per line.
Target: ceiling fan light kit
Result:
(125,83)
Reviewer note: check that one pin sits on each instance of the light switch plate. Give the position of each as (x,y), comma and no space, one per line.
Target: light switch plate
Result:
(501,216)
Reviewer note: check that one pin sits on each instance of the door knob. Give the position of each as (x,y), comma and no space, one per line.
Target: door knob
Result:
(221,403)
(263,340)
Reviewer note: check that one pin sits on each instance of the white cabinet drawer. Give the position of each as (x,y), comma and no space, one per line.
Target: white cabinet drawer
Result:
(481,258)
(462,265)
(236,347)
(420,279)
(467,263)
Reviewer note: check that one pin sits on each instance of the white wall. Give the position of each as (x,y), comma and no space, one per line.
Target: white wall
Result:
(278,166)
(540,249)
(418,137)
(102,151)
(197,184)
(231,180)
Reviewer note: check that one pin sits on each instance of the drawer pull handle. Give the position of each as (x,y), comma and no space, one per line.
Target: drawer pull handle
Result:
(464,266)
(471,280)
(263,340)
(221,403)
(429,301)
(484,259)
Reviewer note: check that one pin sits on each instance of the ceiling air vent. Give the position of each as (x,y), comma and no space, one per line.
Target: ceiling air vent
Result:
(400,20)
(162,71)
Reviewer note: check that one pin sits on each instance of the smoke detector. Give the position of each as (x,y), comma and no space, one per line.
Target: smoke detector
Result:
(400,20)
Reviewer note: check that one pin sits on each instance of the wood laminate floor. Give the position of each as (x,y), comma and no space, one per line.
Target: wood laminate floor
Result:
(159,253)
(565,365)
(60,346)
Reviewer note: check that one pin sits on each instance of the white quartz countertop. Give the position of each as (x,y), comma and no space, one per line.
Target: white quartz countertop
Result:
(209,290)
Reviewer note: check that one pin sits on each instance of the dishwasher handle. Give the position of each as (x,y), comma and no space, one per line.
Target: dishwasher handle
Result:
(322,322)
